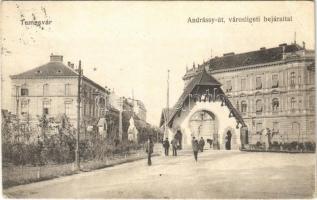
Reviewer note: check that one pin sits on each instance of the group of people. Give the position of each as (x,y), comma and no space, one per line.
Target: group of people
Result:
(166,146)
(196,146)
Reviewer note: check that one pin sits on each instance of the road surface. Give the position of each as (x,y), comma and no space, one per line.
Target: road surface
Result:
(217,174)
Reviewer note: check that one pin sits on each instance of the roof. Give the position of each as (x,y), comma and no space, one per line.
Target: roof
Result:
(53,69)
(48,69)
(201,79)
(263,55)
(163,115)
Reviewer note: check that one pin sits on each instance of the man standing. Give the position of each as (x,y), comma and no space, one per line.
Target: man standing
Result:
(195,148)
(201,144)
(174,146)
(166,145)
(149,150)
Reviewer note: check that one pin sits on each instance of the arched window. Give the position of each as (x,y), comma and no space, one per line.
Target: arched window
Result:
(243,106)
(293,102)
(259,106)
(293,79)
(275,104)
(45,90)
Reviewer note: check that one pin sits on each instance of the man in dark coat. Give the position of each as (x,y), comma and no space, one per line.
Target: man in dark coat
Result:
(201,144)
(174,143)
(195,148)
(166,145)
(149,150)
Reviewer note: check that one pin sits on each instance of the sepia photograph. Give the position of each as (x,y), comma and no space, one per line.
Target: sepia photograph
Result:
(158,100)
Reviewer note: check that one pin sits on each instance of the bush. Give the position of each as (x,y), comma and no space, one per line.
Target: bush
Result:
(275,146)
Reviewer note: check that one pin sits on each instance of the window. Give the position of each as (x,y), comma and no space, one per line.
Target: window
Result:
(24,92)
(229,86)
(258,128)
(276,127)
(259,106)
(299,80)
(68,105)
(312,102)
(67,89)
(310,77)
(293,79)
(275,104)
(258,83)
(243,106)
(45,90)
(46,106)
(85,108)
(24,107)
(274,80)
(299,104)
(293,102)
(243,84)
(45,111)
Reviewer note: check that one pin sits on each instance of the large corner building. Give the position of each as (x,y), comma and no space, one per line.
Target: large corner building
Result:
(270,88)
(52,90)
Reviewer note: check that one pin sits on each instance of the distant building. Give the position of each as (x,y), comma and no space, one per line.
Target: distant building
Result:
(52,90)
(271,88)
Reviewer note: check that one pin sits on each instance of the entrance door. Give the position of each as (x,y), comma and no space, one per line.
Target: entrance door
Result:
(228,140)
(179,137)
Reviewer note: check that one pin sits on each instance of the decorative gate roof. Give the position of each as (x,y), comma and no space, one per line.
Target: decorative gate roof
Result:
(203,79)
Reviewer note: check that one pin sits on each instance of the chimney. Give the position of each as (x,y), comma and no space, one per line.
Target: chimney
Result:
(228,54)
(262,48)
(56,58)
(304,44)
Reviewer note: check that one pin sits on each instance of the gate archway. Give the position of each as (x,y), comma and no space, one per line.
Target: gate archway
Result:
(203,124)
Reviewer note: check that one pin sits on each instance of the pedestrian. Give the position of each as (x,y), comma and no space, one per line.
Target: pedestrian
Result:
(149,150)
(174,143)
(201,144)
(195,148)
(166,145)
(210,142)
(227,143)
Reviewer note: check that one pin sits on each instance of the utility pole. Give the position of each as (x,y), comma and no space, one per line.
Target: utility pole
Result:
(77,158)
(167,104)
(17,108)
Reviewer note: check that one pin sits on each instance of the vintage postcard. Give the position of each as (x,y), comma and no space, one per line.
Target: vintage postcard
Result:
(158,99)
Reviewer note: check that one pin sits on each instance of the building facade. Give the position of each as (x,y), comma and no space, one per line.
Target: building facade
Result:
(271,88)
(52,90)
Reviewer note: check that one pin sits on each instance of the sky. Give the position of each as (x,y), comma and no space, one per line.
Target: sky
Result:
(133,44)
